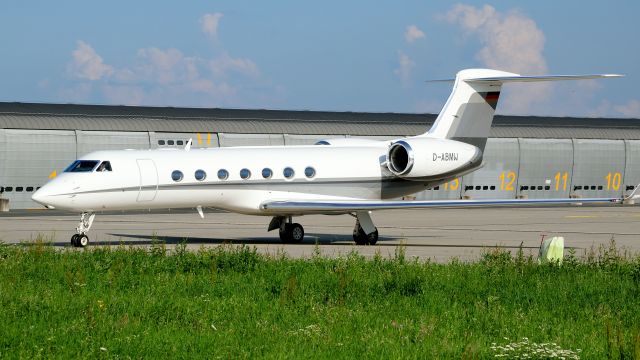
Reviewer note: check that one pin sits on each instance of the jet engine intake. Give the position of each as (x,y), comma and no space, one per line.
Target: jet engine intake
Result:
(422,158)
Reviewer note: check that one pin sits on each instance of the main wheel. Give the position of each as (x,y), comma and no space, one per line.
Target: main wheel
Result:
(297,233)
(292,233)
(361,238)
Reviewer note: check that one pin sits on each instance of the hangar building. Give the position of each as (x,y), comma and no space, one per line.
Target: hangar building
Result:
(534,157)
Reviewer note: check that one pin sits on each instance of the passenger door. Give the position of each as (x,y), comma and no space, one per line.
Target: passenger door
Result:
(148,180)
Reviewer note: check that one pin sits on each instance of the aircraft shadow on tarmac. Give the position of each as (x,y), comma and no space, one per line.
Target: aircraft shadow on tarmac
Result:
(311,239)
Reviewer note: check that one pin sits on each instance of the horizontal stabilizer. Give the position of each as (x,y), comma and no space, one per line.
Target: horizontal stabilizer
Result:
(530,78)
(526,78)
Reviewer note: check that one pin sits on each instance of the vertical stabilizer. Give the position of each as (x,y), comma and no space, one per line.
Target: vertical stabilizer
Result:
(468,113)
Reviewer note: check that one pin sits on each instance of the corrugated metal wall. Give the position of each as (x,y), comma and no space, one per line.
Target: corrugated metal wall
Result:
(534,168)
(30,158)
(632,165)
(545,168)
(498,178)
(88,141)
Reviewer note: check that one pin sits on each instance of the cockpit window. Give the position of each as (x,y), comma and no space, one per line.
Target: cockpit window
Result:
(105,166)
(82,166)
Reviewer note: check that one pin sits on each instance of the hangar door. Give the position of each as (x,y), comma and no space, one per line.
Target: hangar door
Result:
(632,166)
(498,178)
(545,168)
(598,168)
(31,158)
(148,180)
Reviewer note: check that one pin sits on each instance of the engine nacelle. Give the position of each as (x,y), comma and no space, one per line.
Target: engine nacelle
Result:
(430,158)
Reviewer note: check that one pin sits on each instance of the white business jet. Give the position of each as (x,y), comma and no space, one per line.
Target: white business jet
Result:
(335,176)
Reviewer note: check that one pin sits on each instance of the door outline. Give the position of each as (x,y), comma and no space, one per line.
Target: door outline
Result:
(148,175)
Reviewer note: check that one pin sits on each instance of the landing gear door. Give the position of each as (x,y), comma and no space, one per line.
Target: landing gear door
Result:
(148,180)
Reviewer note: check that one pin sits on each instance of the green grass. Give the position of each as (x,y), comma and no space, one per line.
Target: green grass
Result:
(231,302)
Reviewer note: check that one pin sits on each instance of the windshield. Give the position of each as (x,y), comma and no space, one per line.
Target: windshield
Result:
(82,166)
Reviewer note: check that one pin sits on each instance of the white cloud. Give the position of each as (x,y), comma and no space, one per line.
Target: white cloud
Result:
(87,64)
(405,65)
(222,65)
(413,33)
(511,42)
(631,109)
(209,24)
(170,77)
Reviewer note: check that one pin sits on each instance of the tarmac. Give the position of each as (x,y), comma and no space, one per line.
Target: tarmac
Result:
(439,235)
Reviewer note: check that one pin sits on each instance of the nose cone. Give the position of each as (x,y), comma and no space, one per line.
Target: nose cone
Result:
(42,196)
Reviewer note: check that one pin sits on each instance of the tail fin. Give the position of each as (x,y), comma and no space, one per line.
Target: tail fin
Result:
(468,113)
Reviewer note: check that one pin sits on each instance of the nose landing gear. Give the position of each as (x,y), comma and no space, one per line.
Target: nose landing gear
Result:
(81,239)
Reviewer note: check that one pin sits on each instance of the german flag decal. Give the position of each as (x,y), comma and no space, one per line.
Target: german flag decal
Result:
(491,98)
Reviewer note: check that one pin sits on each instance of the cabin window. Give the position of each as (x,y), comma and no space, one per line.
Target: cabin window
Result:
(105,166)
(245,174)
(19,189)
(82,166)
(309,172)
(177,175)
(200,175)
(223,174)
(8,188)
(267,173)
(29,188)
(170,142)
(179,142)
(288,172)
(161,142)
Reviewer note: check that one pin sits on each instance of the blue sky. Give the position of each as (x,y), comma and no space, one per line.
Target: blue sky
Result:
(330,55)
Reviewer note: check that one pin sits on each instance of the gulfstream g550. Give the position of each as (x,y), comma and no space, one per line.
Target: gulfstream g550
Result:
(335,176)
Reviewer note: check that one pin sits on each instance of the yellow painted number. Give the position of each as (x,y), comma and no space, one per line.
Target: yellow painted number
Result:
(506,180)
(613,180)
(452,185)
(561,178)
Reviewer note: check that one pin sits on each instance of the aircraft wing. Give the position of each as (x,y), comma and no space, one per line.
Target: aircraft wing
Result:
(345,206)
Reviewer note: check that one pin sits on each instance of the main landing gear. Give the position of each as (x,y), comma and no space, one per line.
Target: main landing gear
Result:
(364,232)
(290,232)
(81,239)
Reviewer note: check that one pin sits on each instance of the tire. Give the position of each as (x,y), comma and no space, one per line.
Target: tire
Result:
(292,233)
(363,239)
(285,234)
(83,240)
(297,233)
(74,240)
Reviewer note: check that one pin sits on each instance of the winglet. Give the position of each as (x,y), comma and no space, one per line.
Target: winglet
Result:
(188,146)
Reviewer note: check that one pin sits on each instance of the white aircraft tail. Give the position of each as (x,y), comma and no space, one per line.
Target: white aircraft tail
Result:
(468,113)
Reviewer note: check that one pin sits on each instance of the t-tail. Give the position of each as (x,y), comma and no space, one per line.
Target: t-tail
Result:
(468,113)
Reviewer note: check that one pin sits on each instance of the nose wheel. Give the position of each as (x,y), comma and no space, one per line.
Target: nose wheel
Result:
(80,239)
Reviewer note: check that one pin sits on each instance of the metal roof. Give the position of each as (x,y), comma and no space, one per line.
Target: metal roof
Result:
(170,119)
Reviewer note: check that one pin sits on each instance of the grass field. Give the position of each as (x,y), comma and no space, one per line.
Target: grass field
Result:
(230,302)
